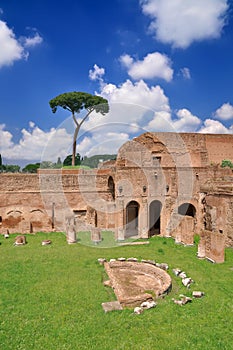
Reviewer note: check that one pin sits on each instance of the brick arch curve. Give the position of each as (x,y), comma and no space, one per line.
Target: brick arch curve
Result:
(187,209)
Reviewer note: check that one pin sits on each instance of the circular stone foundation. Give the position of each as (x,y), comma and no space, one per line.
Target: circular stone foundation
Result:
(135,282)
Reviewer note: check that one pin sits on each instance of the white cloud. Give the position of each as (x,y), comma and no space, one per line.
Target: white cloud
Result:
(161,121)
(214,127)
(132,105)
(185,73)
(84,145)
(31,124)
(225,112)
(185,121)
(36,144)
(5,138)
(13,49)
(96,73)
(154,65)
(136,108)
(126,60)
(181,22)
(33,41)
(138,94)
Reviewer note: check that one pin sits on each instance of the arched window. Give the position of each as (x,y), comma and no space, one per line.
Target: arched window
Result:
(187,209)
(111,187)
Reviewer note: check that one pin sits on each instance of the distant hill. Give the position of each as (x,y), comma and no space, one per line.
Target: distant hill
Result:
(93,161)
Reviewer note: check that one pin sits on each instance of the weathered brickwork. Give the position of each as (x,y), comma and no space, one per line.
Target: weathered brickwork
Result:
(161,183)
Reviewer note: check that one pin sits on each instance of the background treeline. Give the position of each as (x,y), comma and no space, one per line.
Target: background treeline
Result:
(87,162)
(94,161)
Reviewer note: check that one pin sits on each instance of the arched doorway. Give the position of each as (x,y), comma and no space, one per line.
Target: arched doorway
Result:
(154,217)
(132,211)
(187,224)
(187,209)
(111,187)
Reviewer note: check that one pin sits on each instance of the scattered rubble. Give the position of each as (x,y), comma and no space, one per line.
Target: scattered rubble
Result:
(6,235)
(183,300)
(148,304)
(176,271)
(132,259)
(197,294)
(187,281)
(101,261)
(138,310)
(20,240)
(182,275)
(163,266)
(152,262)
(46,242)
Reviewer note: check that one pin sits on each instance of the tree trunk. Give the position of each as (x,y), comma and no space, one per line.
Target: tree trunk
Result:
(74,153)
(74,145)
(78,126)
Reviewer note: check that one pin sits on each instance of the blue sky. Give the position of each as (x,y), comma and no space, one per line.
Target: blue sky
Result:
(163,66)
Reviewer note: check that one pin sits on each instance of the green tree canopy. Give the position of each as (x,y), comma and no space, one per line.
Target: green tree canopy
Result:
(68,160)
(93,161)
(75,102)
(31,168)
(10,168)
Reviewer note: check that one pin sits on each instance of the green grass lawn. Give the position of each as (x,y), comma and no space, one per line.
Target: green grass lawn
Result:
(50,298)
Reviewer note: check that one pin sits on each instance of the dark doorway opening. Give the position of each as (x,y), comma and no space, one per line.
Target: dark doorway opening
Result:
(187,209)
(132,211)
(154,218)
(111,187)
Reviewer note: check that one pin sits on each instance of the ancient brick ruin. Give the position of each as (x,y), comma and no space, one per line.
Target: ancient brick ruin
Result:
(168,184)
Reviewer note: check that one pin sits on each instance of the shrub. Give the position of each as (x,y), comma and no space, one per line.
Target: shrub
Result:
(227,163)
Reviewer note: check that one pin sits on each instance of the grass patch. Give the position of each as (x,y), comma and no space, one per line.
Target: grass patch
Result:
(107,240)
(50,298)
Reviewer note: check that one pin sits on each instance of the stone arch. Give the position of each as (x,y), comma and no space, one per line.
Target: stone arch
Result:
(13,220)
(131,220)
(38,220)
(111,187)
(187,209)
(14,212)
(154,217)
